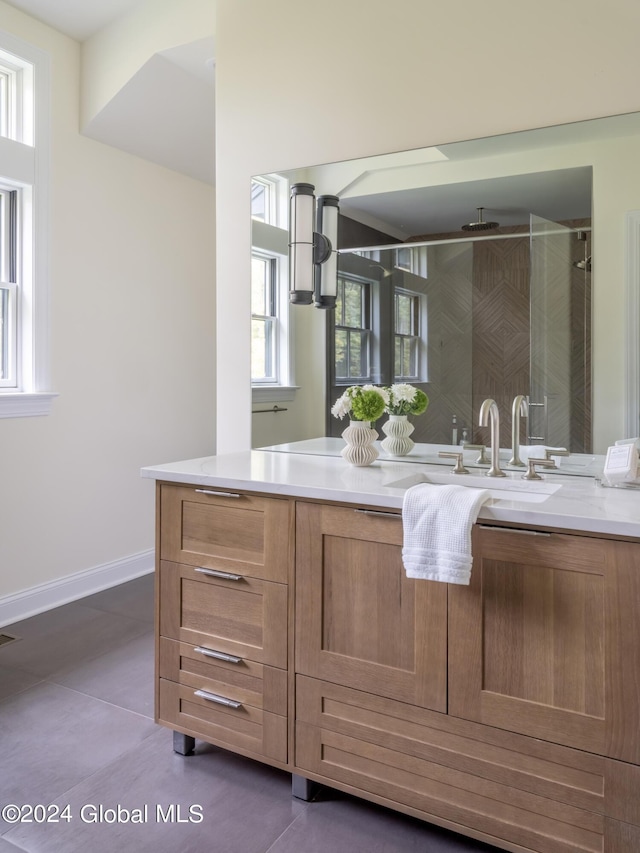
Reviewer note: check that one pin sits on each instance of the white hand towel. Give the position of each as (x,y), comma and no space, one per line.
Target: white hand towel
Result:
(537,451)
(437,522)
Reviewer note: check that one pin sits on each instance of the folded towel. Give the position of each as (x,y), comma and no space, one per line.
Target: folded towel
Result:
(537,451)
(437,522)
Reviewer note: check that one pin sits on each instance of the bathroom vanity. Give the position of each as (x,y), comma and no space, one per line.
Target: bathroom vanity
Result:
(506,710)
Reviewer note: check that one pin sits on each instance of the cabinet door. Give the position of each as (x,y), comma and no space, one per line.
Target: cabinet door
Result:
(545,640)
(360,621)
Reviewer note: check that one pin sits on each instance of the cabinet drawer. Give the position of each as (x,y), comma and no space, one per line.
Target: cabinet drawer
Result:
(245,729)
(245,616)
(240,679)
(243,534)
(538,795)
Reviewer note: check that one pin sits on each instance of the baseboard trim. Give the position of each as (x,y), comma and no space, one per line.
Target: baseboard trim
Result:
(37,599)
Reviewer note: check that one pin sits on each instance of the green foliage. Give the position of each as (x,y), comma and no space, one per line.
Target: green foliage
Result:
(367,406)
(420,403)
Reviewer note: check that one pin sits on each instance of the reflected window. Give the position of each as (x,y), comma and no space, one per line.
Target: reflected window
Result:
(403,259)
(352,331)
(406,335)
(269,200)
(261,200)
(264,318)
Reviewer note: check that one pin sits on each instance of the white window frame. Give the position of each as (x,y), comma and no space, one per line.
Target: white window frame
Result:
(365,331)
(272,242)
(277,190)
(417,337)
(25,167)
(9,242)
(269,320)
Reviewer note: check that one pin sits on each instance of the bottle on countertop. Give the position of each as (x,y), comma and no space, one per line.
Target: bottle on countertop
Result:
(454,430)
(465,437)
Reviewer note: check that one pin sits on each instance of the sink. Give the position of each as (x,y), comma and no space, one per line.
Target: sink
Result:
(507,489)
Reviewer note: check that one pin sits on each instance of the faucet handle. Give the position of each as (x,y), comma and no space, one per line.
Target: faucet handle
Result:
(555,451)
(482,459)
(532,474)
(458,468)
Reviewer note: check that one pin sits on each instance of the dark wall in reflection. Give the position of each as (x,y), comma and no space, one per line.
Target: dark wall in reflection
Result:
(478,335)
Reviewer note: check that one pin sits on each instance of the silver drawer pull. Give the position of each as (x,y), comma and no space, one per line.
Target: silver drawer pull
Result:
(379,512)
(214,573)
(515,530)
(219,494)
(219,700)
(210,653)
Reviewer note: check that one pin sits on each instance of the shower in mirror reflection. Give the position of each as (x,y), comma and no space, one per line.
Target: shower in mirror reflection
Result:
(585,263)
(480,224)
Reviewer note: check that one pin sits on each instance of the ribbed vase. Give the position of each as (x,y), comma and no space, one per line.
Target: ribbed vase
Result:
(397,429)
(359,438)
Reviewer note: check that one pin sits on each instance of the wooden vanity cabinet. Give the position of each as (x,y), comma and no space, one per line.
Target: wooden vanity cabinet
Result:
(507,710)
(223,611)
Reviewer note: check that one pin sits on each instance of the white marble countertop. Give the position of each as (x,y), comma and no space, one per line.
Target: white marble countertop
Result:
(578,503)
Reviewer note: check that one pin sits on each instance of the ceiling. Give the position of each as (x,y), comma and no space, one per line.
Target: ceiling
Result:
(76,18)
(559,195)
(166,112)
(407,206)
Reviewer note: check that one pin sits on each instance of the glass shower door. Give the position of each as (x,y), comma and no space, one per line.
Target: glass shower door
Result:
(550,299)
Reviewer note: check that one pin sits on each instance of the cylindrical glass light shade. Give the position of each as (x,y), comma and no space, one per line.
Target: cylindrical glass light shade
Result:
(301,214)
(327,270)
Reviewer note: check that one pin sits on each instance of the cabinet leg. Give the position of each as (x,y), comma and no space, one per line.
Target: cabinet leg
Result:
(183,744)
(302,788)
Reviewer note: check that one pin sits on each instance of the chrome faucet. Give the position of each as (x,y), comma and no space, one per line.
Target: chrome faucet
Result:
(519,408)
(489,411)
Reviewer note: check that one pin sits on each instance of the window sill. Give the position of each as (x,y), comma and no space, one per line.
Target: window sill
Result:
(273,393)
(19,404)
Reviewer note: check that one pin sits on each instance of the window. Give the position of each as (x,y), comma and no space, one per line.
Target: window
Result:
(406,314)
(24,160)
(352,331)
(264,319)
(8,287)
(262,207)
(403,259)
(271,324)
(269,200)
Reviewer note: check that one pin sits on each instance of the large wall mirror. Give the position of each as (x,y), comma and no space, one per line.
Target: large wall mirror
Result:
(503,307)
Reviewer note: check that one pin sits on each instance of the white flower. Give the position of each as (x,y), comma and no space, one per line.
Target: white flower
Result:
(402,392)
(384,392)
(342,406)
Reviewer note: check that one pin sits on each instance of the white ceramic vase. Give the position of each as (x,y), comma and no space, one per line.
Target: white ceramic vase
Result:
(397,429)
(359,438)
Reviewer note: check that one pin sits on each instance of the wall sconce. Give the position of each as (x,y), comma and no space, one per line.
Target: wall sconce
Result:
(313,254)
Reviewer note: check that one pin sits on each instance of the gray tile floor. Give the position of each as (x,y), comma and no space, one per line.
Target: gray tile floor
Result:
(77,730)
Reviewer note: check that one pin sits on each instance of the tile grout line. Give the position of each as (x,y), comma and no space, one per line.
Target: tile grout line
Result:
(95,698)
(291,825)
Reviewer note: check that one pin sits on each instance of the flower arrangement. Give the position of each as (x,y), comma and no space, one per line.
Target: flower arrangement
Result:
(404,399)
(361,403)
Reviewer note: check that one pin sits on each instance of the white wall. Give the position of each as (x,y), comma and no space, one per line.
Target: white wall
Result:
(113,55)
(368,78)
(132,287)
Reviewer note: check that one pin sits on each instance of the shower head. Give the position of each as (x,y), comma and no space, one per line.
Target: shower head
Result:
(583,265)
(480,225)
